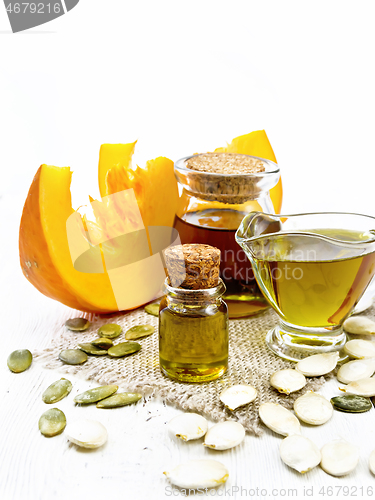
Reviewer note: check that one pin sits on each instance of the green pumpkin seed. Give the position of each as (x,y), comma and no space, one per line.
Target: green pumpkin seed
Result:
(20,360)
(97,394)
(90,349)
(103,343)
(351,403)
(123,349)
(117,400)
(110,331)
(153,309)
(77,324)
(139,331)
(73,356)
(52,422)
(57,391)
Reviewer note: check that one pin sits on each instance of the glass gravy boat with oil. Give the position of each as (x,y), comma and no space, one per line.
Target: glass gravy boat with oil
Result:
(313,269)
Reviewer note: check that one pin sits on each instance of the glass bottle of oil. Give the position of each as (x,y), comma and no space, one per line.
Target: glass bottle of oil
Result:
(213,201)
(193,318)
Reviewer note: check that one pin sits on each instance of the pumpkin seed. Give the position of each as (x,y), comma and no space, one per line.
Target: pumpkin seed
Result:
(287,380)
(20,360)
(299,453)
(96,394)
(103,343)
(339,458)
(86,433)
(318,364)
(238,395)
(355,370)
(360,349)
(224,435)
(77,324)
(123,349)
(57,391)
(363,387)
(90,349)
(52,422)
(139,331)
(153,309)
(279,419)
(198,474)
(371,462)
(313,408)
(360,325)
(351,403)
(110,330)
(188,426)
(118,400)
(73,356)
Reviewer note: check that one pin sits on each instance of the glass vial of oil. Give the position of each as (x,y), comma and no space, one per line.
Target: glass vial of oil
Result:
(193,318)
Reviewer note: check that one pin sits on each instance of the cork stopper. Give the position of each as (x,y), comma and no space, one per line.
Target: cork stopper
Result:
(193,266)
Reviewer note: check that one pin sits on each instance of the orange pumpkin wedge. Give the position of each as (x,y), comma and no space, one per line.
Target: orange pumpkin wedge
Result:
(155,186)
(257,144)
(46,249)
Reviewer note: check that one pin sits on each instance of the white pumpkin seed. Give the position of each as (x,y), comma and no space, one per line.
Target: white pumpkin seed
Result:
(363,387)
(188,426)
(339,458)
(359,325)
(288,380)
(224,435)
(198,474)
(299,453)
(355,370)
(279,419)
(86,433)
(360,349)
(371,462)
(318,364)
(238,395)
(363,305)
(313,408)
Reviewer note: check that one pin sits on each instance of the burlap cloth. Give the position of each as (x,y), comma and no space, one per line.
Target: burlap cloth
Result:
(250,362)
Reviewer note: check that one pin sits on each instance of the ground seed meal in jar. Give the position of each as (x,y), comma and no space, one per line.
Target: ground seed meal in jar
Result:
(193,318)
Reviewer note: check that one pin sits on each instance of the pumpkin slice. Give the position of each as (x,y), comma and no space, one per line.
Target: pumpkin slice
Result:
(257,144)
(111,155)
(155,186)
(52,233)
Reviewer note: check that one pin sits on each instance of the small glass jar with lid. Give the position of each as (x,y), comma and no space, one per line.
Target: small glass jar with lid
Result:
(217,190)
(193,318)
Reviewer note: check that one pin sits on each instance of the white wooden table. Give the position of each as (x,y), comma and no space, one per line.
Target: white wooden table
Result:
(139,449)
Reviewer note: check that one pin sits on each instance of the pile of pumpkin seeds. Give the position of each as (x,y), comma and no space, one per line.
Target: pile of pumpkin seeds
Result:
(103,345)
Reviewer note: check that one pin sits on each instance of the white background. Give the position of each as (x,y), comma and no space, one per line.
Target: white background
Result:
(181,77)
(188,76)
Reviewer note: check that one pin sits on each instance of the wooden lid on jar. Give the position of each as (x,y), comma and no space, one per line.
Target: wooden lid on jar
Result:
(193,266)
